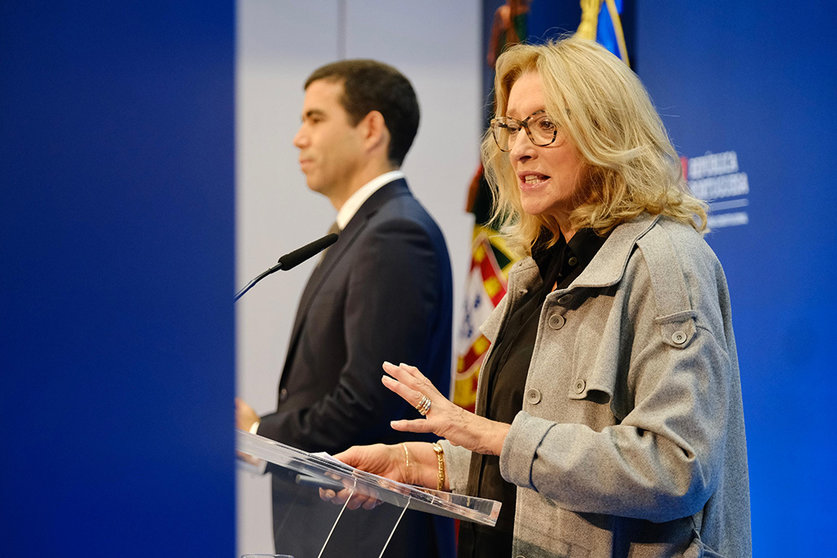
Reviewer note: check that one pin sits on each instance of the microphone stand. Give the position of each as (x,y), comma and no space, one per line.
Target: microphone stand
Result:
(258,278)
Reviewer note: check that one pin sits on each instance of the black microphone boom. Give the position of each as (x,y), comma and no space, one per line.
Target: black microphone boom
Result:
(293,259)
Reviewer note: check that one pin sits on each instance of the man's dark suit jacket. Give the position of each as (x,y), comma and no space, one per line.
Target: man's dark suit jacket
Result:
(382,292)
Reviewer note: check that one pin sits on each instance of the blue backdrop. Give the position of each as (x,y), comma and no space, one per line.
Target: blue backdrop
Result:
(760,81)
(116,244)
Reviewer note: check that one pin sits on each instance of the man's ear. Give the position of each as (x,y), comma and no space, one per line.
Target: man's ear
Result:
(376,134)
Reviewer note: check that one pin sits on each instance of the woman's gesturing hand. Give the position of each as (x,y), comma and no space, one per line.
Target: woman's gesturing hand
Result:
(441,416)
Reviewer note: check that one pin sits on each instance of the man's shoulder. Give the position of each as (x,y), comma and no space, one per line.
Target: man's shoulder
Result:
(403,210)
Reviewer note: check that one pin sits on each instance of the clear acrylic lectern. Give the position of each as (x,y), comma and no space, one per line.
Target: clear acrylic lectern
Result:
(297,478)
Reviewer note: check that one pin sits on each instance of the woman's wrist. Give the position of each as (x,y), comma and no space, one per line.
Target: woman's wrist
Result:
(491,434)
(424,464)
(498,437)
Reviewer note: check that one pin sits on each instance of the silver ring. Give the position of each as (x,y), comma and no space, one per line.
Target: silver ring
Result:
(424,405)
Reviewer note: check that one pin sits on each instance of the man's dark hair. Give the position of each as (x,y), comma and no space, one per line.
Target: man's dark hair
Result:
(371,85)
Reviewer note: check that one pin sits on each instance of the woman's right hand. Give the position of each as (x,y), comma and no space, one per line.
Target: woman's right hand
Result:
(378,459)
(408,463)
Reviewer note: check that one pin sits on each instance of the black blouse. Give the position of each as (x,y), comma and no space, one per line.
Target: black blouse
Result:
(506,373)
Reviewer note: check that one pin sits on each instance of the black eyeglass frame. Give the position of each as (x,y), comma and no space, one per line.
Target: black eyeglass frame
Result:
(501,122)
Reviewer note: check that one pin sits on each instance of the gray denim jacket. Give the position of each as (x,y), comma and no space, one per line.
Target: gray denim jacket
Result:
(631,437)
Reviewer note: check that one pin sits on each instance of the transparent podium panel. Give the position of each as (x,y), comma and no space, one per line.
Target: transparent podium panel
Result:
(306,526)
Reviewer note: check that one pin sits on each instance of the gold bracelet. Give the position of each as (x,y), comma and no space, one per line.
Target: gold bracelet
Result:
(440,457)
(406,456)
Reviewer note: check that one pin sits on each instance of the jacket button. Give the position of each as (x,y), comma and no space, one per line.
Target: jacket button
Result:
(283,394)
(678,337)
(533,396)
(580,385)
(556,321)
(572,261)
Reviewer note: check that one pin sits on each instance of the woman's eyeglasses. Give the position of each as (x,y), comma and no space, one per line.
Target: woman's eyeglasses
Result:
(540,129)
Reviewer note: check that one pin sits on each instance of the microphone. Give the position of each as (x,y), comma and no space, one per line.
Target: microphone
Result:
(292,259)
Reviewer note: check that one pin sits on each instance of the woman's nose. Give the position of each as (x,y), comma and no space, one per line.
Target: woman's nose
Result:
(520,146)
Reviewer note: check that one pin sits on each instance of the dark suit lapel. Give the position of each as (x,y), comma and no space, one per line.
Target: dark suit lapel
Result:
(334,254)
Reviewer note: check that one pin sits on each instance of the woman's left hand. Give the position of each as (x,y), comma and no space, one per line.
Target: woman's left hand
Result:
(443,417)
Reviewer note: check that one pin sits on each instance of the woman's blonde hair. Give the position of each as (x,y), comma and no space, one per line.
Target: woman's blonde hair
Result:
(600,104)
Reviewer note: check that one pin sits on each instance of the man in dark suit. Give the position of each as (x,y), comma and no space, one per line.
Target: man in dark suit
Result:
(381,293)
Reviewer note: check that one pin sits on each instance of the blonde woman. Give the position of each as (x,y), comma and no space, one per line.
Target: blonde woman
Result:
(609,417)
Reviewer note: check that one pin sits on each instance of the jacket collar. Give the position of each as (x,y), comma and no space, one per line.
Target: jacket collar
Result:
(607,267)
(356,200)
